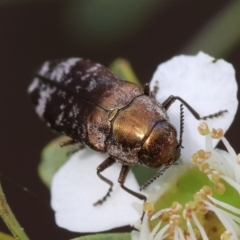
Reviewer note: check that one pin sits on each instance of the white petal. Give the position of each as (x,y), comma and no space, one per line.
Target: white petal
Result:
(206,85)
(76,187)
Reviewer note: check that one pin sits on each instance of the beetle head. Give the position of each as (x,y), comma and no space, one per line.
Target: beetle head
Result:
(161,146)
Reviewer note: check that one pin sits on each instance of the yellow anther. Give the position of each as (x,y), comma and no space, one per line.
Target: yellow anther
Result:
(198,197)
(165,217)
(215,176)
(202,209)
(217,133)
(200,156)
(226,235)
(192,205)
(186,214)
(194,158)
(176,207)
(206,190)
(203,129)
(175,220)
(196,233)
(220,188)
(148,207)
(201,153)
(208,155)
(205,168)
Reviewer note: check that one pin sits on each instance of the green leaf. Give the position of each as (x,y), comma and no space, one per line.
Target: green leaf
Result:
(52,158)
(4,236)
(123,69)
(143,174)
(106,236)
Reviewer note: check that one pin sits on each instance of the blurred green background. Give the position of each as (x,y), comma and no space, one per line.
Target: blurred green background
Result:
(146,32)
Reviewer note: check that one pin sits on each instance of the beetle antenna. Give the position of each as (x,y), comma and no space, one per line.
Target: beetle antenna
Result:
(168,165)
(181,126)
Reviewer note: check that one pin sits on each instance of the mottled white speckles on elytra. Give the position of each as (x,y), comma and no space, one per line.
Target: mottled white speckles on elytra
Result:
(74,125)
(94,68)
(78,88)
(70,114)
(45,96)
(44,69)
(70,100)
(62,106)
(61,93)
(84,77)
(34,85)
(75,110)
(63,68)
(69,80)
(92,84)
(59,119)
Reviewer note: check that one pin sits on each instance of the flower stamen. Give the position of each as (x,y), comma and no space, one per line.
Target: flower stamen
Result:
(224,220)
(217,133)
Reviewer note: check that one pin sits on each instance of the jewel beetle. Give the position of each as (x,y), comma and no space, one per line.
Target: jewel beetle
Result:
(87,102)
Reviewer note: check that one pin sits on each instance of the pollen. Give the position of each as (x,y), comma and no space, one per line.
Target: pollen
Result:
(217,133)
(205,214)
(148,207)
(165,217)
(203,129)
(200,157)
(176,207)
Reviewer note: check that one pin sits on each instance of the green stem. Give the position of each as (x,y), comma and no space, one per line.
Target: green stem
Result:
(219,37)
(9,218)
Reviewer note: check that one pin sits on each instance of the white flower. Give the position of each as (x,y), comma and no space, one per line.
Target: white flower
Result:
(207,85)
(212,212)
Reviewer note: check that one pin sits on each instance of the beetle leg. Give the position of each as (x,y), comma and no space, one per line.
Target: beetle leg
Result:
(72,142)
(105,164)
(146,89)
(123,174)
(68,143)
(168,102)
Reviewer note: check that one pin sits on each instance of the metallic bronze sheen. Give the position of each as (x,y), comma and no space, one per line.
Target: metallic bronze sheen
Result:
(87,102)
(131,127)
(160,146)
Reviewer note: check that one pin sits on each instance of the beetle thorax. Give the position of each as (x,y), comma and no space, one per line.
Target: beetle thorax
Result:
(131,126)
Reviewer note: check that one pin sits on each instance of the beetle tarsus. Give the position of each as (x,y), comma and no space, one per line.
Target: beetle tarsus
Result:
(100,201)
(68,143)
(215,115)
(107,163)
(170,100)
